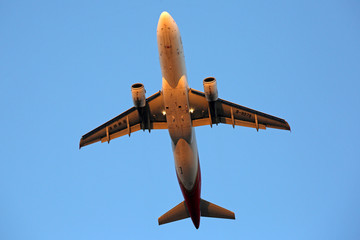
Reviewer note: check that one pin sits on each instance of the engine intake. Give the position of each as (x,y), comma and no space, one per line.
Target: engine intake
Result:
(138,94)
(210,89)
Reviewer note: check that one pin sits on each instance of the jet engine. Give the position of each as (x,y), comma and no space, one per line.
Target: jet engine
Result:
(138,95)
(210,89)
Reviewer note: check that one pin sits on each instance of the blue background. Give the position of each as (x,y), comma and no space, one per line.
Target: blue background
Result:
(67,67)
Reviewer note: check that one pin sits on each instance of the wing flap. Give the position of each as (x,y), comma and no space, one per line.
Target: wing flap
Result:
(200,122)
(159,125)
(121,133)
(241,123)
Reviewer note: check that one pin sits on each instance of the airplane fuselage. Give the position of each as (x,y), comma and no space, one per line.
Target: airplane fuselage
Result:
(179,109)
(175,92)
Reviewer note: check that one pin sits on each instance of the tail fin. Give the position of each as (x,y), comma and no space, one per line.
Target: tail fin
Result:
(177,213)
(209,209)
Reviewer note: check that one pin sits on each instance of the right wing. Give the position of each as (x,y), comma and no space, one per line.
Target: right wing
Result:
(132,120)
(222,111)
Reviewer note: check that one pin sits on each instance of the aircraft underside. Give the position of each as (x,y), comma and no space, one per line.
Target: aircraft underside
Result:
(179,109)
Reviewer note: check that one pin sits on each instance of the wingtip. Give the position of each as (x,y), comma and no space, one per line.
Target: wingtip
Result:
(289,128)
(80,144)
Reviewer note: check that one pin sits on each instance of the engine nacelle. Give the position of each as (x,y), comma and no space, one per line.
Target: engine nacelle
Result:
(138,94)
(210,89)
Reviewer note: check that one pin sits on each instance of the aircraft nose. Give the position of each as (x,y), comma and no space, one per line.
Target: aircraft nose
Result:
(165,20)
(165,17)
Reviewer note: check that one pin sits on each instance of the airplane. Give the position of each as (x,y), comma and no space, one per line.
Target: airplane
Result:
(179,109)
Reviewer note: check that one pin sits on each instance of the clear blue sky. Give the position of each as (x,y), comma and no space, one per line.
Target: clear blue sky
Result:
(67,66)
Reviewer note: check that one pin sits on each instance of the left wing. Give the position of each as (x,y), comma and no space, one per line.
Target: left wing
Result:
(221,111)
(132,120)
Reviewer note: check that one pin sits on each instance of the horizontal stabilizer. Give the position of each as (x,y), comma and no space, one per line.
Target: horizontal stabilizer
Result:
(209,209)
(177,213)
